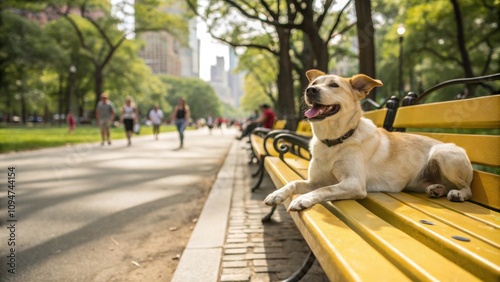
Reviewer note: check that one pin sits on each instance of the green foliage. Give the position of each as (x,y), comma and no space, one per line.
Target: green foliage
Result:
(430,52)
(260,79)
(199,95)
(21,139)
(35,58)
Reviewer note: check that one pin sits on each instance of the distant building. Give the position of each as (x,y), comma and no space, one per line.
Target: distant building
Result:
(166,55)
(218,80)
(190,55)
(161,52)
(235,80)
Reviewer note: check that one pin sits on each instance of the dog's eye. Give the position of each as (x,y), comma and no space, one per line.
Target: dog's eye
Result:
(335,85)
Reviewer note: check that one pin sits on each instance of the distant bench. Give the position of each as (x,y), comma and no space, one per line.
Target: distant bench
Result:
(407,236)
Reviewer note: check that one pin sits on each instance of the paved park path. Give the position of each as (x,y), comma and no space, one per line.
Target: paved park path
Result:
(112,213)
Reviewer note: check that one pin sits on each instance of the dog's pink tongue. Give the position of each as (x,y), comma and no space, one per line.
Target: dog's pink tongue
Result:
(314,111)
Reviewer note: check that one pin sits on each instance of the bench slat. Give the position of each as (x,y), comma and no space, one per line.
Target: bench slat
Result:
(484,231)
(486,154)
(279,124)
(414,258)
(468,209)
(304,128)
(377,116)
(476,256)
(485,188)
(479,112)
(342,253)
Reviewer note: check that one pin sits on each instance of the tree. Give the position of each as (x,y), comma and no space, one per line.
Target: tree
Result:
(434,51)
(279,20)
(25,50)
(199,95)
(366,41)
(102,43)
(260,79)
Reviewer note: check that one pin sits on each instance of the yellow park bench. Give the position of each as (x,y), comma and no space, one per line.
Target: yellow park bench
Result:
(261,144)
(408,236)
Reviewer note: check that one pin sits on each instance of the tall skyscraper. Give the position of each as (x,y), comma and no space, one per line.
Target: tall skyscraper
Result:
(190,55)
(165,54)
(161,52)
(235,80)
(218,80)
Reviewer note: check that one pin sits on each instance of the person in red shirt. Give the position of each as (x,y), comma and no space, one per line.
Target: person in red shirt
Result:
(266,120)
(70,119)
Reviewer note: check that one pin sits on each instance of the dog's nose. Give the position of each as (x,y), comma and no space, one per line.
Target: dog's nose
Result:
(312,92)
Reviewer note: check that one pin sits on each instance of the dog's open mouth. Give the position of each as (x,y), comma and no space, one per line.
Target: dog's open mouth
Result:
(318,111)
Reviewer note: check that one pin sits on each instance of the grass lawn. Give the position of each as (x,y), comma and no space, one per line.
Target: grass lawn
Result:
(30,138)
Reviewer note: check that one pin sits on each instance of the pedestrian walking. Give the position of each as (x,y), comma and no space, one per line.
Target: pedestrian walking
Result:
(181,115)
(210,123)
(105,114)
(129,117)
(156,118)
(70,119)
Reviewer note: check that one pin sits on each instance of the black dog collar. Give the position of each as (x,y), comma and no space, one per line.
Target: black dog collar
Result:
(333,142)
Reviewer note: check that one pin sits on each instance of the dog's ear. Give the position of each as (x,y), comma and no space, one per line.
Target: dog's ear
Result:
(313,74)
(364,84)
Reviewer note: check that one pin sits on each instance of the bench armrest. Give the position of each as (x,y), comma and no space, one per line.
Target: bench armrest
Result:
(261,131)
(292,143)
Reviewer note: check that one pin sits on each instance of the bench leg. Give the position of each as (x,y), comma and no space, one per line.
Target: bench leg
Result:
(261,167)
(251,157)
(303,269)
(257,185)
(268,216)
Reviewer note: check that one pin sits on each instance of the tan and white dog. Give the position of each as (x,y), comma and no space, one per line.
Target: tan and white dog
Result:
(351,156)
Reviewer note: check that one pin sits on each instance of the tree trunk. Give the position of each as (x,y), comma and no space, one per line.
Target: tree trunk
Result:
(466,64)
(99,84)
(366,42)
(23,107)
(307,63)
(286,101)
(60,99)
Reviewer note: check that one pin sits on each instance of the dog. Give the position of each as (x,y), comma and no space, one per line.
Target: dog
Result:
(351,156)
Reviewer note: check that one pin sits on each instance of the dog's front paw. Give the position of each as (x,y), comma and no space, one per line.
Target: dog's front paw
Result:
(435,190)
(459,195)
(275,198)
(301,203)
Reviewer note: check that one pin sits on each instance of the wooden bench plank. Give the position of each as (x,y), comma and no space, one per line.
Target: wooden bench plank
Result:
(279,124)
(479,112)
(487,154)
(414,258)
(304,128)
(343,254)
(485,188)
(377,116)
(481,230)
(468,209)
(476,256)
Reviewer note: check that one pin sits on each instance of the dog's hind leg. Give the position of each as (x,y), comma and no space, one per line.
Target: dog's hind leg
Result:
(450,166)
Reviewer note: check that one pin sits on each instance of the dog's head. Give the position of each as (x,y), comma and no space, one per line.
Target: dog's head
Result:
(327,94)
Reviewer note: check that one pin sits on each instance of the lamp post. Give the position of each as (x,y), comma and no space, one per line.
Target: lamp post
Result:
(72,71)
(401,31)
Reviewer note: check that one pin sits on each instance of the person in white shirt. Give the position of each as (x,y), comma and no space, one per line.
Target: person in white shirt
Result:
(156,118)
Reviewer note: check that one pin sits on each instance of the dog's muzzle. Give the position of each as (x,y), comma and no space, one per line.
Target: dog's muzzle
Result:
(318,111)
(312,94)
